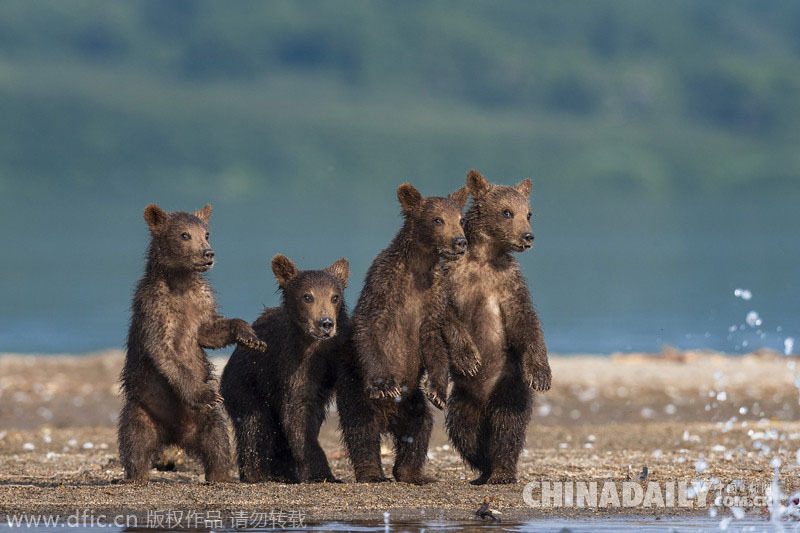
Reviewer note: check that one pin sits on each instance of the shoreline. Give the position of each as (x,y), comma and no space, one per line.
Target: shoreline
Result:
(605,418)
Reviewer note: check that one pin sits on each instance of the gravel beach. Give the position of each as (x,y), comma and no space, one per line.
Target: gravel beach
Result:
(686,416)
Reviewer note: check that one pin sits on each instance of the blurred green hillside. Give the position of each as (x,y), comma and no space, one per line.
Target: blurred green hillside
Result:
(653,97)
(662,138)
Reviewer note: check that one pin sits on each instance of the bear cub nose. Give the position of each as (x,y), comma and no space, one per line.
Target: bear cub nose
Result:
(460,243)
(326,324)
(208,254)
(528,238)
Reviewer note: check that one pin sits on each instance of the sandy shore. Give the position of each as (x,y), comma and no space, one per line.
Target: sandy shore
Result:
(604,419)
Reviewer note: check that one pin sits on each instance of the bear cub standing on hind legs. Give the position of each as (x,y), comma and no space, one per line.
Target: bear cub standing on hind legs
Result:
(488,413)
(401,328)
(167,382)
(277,400)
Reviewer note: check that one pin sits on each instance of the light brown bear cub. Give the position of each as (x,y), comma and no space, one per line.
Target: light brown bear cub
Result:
(170,396)
(489,412)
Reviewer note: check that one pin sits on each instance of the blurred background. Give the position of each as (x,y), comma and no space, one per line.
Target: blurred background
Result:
(662,139)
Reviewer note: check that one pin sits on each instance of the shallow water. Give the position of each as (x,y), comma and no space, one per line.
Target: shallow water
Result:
(612,274)
(688,524)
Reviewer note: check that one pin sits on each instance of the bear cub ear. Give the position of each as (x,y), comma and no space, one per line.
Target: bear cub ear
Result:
(340,270)
(524,186)
(204,214)
(154,216)
(410,198)
(284,270)
(460,196)
(476,183)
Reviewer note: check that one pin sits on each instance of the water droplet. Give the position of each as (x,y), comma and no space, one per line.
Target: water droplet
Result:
(701,466)
(788,345)
(752,319)
(744,294)
(743,410)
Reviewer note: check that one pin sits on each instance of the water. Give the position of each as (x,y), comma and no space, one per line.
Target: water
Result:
(608,273)
(556,525)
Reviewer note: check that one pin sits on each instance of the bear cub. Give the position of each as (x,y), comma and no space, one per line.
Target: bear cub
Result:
(277,401)
(489,412)
(170,396)
(401,331)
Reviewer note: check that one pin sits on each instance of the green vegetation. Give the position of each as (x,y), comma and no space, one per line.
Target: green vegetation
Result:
(646,96)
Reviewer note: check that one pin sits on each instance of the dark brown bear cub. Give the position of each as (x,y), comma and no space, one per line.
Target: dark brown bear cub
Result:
(277,400)
(400,333)
(488,413)
(169,392)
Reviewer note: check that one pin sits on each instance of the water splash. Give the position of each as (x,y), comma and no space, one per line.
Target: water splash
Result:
(752,319)
(744,294)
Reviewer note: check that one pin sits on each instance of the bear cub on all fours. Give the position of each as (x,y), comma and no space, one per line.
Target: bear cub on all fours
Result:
(170,395)
(277,401)
(402,331)
(489,412)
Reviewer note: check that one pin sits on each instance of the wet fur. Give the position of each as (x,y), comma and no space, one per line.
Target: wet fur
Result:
(488,413)
(169,394)
(277,400)
(399,325)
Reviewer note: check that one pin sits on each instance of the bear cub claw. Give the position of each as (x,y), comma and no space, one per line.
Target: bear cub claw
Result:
(209,398)
(253,343)
(468,362)
(384,388)
(436,400)
(246,337)
(538,378)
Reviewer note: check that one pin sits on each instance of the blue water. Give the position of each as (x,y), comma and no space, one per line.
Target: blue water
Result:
(607,273)
(601,525)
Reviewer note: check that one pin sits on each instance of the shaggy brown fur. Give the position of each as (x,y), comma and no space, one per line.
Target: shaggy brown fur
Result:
(277,401)
(169,394)
(399,323)
(488,413)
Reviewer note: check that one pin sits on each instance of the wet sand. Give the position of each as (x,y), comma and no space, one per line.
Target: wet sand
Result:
(604,419)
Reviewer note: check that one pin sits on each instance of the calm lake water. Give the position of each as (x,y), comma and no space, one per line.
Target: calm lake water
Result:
(608,272)
(648,525)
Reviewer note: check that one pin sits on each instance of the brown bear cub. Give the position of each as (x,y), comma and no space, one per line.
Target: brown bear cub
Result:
(169,391)
(400,331)
(277,400)
(488,413)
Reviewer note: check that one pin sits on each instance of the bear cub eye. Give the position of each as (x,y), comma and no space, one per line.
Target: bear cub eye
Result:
(335,298)
(307,298)
(507,213)
(438,221)
(209,235)
(529,216)
(462,222)
(185,236)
